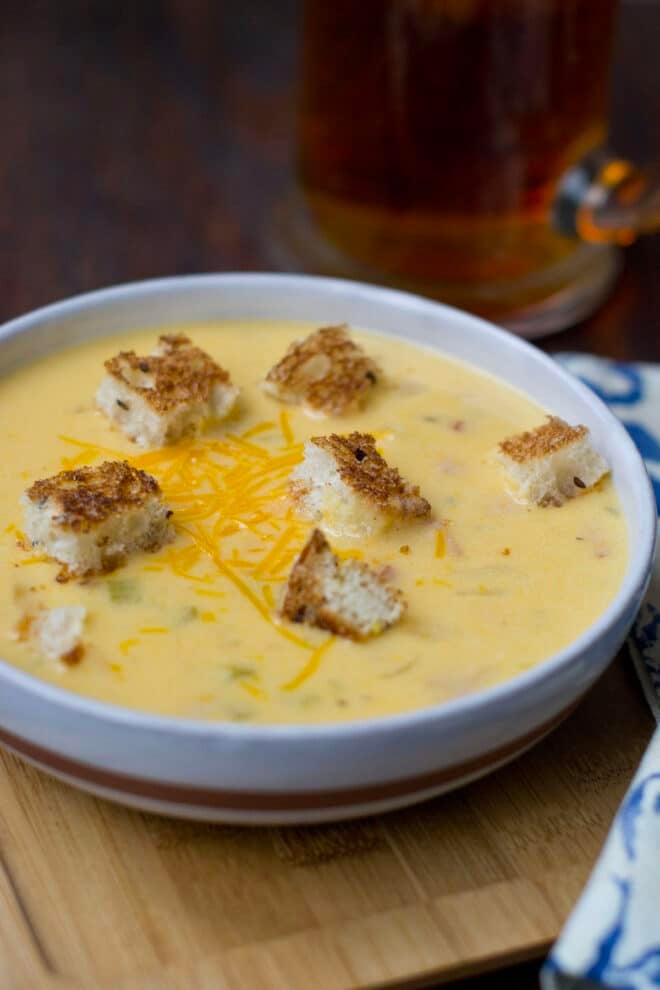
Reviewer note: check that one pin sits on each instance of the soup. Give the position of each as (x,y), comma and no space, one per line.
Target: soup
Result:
(493,586)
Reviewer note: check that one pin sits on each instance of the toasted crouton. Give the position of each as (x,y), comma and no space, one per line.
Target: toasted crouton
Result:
(156,400)
(347,597)
(91,519)
(552,463)
(327,372)
(59,632)
(345,482)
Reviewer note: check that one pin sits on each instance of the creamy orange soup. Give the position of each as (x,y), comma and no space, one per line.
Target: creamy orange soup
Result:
(493,586)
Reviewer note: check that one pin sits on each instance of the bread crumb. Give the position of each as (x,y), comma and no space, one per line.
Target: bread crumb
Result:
(327,372)
(552,463)
(155,400)
(344,482)
(59,632)
(347,597)
(92,518)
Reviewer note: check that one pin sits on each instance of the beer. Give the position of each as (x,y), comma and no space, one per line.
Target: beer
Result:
(433,133)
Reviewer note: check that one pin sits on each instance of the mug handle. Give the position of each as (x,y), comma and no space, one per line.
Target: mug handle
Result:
(608,200)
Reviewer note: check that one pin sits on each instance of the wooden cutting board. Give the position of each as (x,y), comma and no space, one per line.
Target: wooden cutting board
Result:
(92,895)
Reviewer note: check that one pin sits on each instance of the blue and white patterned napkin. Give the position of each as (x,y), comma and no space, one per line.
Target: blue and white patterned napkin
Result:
(612,938)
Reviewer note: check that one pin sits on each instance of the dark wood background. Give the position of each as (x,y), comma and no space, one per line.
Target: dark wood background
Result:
(156,138)
(152,138)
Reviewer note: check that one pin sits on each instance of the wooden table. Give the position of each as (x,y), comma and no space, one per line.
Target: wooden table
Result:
(155,138)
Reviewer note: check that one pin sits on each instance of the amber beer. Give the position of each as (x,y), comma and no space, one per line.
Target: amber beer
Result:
(433,134)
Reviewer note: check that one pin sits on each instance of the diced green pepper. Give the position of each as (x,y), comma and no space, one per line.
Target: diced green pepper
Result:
(124,590)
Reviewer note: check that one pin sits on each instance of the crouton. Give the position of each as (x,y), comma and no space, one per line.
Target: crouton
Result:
(346,597)
(59,633)
(156,400)
(91,519)
(345,482)
(552,463)
(327,372)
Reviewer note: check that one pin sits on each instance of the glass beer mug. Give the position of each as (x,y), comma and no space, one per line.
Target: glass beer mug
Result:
(454,148)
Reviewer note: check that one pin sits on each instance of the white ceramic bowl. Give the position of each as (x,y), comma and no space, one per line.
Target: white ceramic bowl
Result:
(261,774)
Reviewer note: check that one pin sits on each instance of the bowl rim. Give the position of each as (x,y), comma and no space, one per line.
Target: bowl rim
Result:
(633,584)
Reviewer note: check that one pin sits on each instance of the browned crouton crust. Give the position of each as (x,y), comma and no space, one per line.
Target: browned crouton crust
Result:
(327,371)
(91,495)
(308,597)
(362,468)
(302,598)
(180,373)
(545,439)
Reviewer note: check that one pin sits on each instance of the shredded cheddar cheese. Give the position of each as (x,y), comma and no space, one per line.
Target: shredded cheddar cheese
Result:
(220,487)
(287,432)
(126,645)
(253,690)
(310,667)
(255,431)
